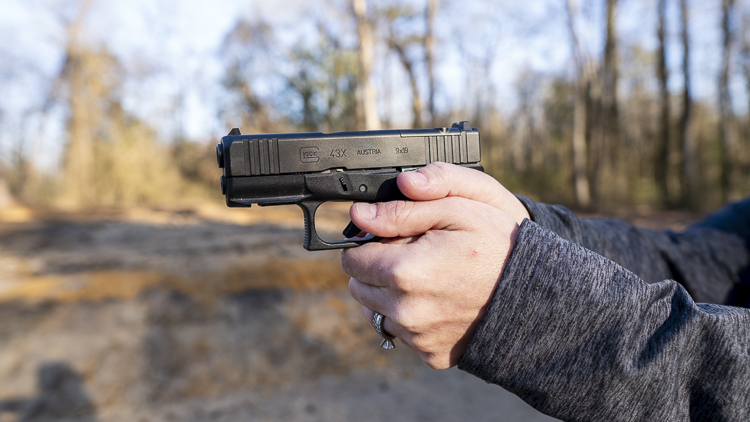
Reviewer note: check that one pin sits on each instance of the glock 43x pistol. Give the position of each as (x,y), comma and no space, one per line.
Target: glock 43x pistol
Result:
(309,169)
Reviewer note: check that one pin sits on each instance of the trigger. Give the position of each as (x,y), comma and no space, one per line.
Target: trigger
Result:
(351,230)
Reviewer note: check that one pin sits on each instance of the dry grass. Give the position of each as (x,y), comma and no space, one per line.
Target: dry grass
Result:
(206,287)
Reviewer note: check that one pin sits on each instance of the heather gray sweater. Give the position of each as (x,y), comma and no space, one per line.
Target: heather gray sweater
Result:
(582,327)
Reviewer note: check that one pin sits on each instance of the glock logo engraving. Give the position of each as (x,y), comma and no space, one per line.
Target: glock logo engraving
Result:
(309,155)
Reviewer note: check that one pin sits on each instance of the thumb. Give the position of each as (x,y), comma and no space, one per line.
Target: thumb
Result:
(441,180)
(407,218)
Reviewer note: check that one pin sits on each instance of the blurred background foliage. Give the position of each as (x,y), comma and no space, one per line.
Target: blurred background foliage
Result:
(616,124)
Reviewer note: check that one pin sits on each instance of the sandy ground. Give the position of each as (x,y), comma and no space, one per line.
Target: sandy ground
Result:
(205,314)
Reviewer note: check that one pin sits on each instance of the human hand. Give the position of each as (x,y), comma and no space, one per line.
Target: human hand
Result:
(435,275)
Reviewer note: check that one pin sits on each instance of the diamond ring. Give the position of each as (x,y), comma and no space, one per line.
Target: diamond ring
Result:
(377,324)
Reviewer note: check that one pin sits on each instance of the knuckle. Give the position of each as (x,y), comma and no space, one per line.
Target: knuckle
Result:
(402,276)
(396,315)
(383,269)
(404,211)
(391,210)
(414,325)
(404,318)
(397,212)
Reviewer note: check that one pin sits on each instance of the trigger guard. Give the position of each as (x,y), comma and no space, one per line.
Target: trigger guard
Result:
(313,242)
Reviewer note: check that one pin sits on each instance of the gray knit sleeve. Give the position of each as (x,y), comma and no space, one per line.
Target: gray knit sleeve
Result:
(710,260)
(581,338)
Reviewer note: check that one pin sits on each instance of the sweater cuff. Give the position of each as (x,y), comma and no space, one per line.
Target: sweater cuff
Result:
(555,218)
(486,346)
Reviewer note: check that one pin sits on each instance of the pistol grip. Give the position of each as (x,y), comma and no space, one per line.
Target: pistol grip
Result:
(313,242)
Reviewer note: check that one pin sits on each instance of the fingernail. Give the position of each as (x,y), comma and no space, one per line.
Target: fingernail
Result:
(366,211)
(418,178)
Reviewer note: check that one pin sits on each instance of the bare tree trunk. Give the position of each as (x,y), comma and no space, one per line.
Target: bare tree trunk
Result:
(746,56)
(606,124)
(661,155)
(581,183)
(725,102)
(687,146)
(79,159)
(429,50)
(366,92)
(416,103)
(745,60)
(485,96)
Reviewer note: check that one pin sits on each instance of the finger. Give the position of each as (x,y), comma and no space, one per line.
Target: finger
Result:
(368,264)
(407,218)
(441,180)
(372,297)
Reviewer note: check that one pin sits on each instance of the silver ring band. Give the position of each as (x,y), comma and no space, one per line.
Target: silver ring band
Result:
(377,324)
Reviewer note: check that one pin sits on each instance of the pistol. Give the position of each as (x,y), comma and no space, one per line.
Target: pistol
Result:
(309,169)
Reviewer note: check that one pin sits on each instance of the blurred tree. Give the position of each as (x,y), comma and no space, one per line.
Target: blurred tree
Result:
(558,109)
(82,71)
(111,157)
(745,53)
(131,167)
(307,87)
(399,42)
(583,81)
(6,199)
(368,111)
(744,148)
(605,130)
(324,81)
(318,79)
(247,48)
(429,50)
(726,113)
(527,124)
(661,157)
(196,162)
(84,77)
(5,196)
(339,73)
(688,168)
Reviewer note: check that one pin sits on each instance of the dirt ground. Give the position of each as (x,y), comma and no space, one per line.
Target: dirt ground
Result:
(206,314)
